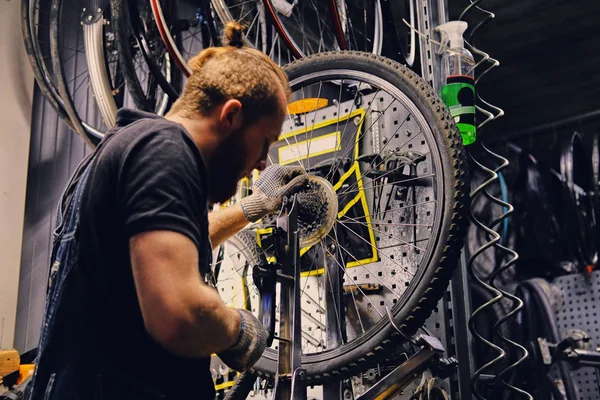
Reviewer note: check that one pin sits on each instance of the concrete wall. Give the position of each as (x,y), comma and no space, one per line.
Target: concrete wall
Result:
(16,92)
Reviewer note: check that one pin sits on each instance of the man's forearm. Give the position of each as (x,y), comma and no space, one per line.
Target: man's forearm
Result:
(212,328)
(223,224)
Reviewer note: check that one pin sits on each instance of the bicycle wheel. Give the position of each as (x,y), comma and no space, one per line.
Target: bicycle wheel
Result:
(86,69)
(35,29)
(402,40)
(306,27)
(153,81)
(388,145)
(259,32)
(360,25)
(232,268)
(186,30)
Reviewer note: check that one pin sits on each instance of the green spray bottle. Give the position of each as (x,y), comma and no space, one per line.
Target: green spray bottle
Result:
(458,92)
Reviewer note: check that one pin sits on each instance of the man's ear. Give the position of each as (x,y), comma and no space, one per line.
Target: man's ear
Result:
(231,115)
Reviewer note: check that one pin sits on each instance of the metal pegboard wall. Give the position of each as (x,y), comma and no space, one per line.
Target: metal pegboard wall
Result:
(580,309)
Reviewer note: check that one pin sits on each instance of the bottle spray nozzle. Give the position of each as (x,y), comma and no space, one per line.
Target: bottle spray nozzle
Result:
(453,32)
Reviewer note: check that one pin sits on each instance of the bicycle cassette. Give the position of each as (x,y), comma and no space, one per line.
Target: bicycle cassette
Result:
(317,210)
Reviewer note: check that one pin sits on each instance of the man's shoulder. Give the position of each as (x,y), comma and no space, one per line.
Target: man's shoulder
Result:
(149,132)
(143,139)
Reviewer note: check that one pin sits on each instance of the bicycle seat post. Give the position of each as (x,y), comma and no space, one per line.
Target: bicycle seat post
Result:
(290,379)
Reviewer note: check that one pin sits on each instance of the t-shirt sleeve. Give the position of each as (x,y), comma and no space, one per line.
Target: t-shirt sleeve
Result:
(161,187)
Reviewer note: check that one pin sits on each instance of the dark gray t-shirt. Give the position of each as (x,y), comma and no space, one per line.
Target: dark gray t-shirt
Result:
(148,175)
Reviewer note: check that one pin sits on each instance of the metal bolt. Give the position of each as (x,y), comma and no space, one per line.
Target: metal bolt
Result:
(357,120)
(99,10)
(84,9)
(89,18)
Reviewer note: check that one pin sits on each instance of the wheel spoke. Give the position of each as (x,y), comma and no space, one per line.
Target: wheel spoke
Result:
(393,183)
(345,271)
(404,242)
(369,271)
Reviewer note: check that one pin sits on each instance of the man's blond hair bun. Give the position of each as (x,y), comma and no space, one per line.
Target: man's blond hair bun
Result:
(233,34)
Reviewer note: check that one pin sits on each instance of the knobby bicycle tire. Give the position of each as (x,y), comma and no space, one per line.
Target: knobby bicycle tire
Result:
(373,346)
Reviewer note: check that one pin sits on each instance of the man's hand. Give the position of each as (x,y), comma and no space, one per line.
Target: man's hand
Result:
(275,183)
(250,344)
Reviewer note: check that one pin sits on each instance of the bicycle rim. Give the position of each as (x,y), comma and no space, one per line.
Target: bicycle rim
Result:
(185,32)
(31,19)
(259,32)
(360,25)
(86,92)
(305,27)
(152,79)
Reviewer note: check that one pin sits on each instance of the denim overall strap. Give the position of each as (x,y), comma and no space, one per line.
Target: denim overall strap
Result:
(64,254)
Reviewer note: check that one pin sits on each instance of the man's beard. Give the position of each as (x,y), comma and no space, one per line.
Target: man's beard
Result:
(225,168)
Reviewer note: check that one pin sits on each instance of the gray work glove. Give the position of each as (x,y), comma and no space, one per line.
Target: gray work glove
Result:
(273,184)
(250,344)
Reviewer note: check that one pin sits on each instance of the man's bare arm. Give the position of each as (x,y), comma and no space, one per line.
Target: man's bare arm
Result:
(182,313)
(223,224)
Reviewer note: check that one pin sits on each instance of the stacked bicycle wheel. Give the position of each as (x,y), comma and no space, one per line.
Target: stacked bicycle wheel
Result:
(368,124)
